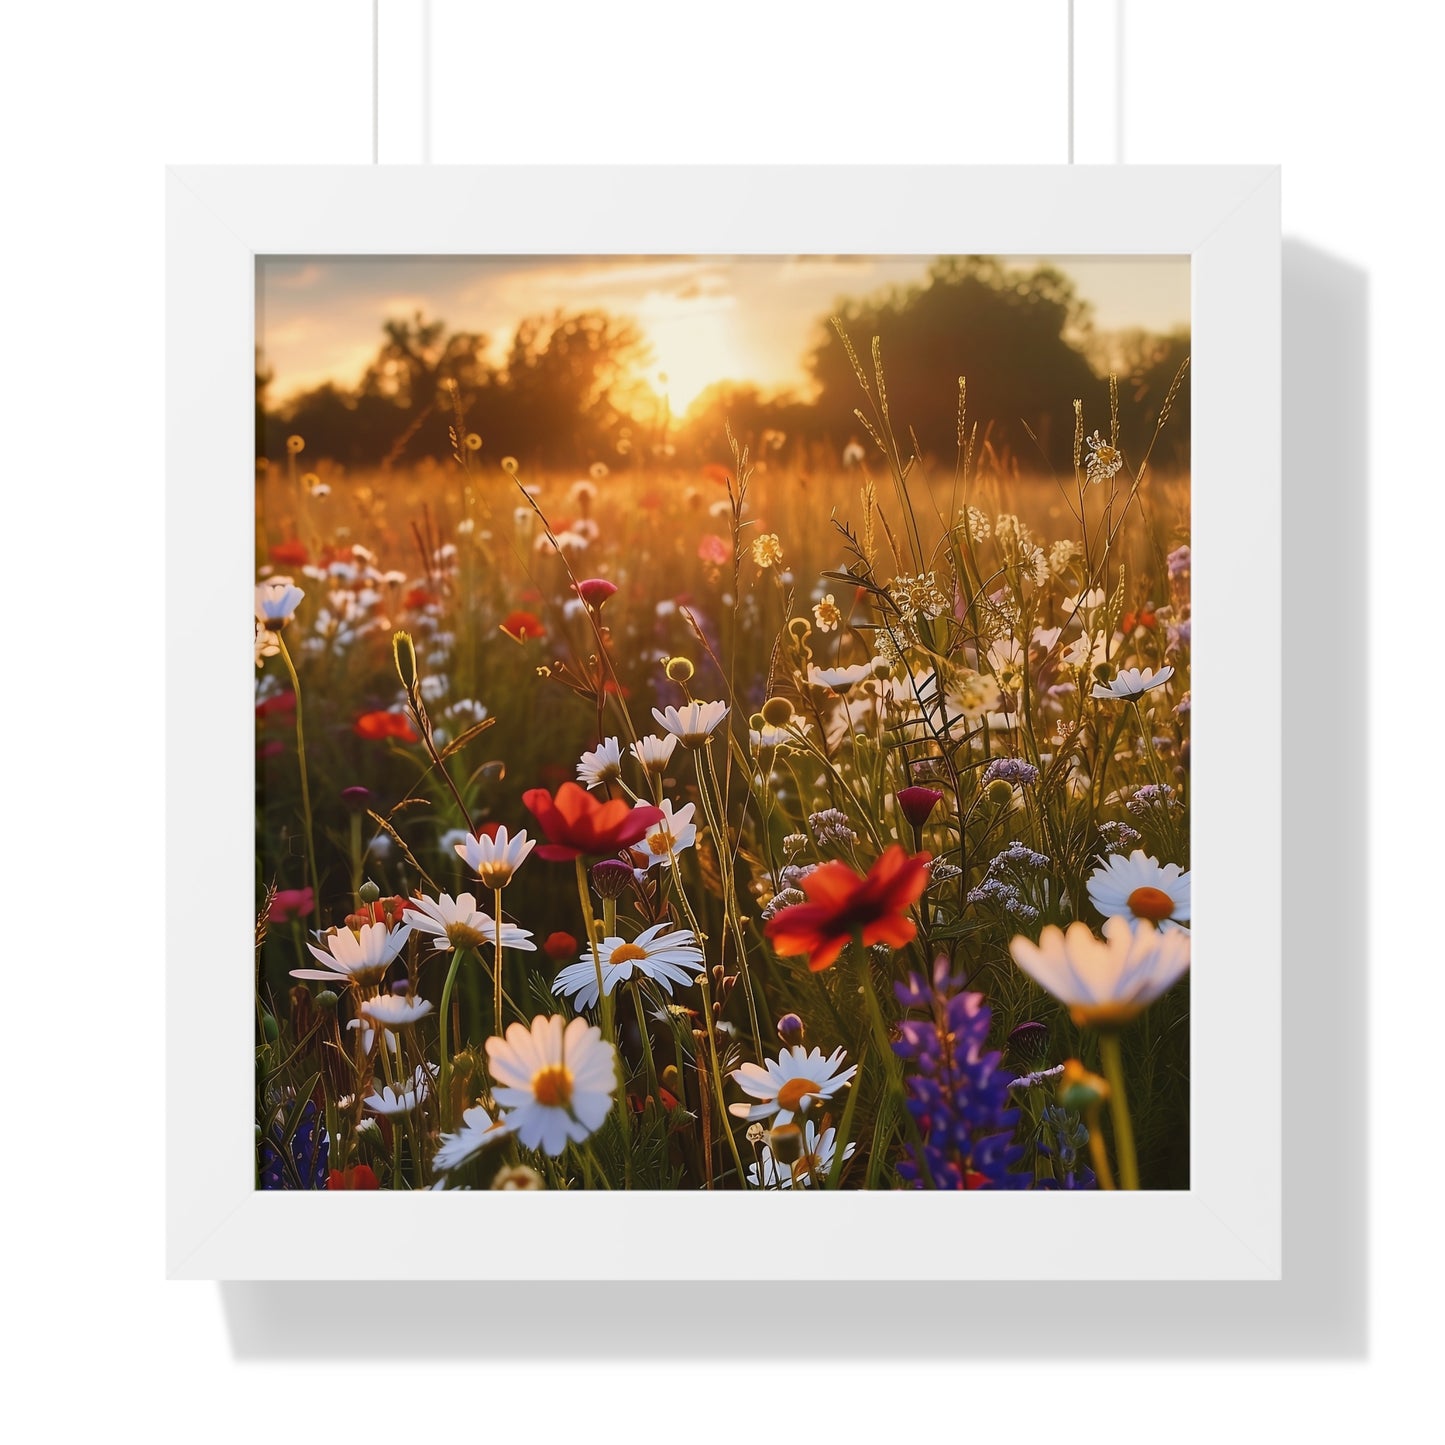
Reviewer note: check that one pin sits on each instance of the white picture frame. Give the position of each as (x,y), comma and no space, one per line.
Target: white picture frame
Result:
(1227,1225)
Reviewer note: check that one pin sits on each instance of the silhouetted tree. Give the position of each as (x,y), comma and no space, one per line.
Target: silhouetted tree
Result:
(1001,327)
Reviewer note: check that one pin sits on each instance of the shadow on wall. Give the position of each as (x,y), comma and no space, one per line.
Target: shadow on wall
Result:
(1319,1309)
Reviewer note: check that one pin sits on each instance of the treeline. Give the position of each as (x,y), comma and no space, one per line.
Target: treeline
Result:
(569,390)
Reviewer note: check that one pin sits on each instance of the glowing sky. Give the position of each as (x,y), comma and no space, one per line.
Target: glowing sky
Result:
(708,318)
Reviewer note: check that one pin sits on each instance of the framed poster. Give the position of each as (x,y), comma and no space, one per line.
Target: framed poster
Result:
(722,694)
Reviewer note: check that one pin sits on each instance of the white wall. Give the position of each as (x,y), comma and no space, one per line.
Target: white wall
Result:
(97,96)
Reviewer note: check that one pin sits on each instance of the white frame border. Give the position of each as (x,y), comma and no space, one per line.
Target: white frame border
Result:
(1226,219)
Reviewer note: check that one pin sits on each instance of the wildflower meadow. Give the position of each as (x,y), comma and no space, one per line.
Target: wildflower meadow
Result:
(749,809)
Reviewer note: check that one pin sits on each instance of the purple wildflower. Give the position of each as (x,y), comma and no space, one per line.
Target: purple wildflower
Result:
(1009,770)
(1178,561)
(956,1091)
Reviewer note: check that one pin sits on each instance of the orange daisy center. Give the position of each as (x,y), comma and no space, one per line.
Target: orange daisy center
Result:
(627,953)
(659,842)
(793,1094)
(552,1087)
(1151,903)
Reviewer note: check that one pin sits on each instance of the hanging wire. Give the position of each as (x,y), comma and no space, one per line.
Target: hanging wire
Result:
(1071,82)
(375,81)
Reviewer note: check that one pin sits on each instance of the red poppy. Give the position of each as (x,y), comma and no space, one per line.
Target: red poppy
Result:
(560,947)
(377,725)
(716,472)
(276,704)
(519,626)
(290,903)
(359,1176)
(289,554)
(384,910)
(576,823)
(416,598)
(843,906)
(1131,620)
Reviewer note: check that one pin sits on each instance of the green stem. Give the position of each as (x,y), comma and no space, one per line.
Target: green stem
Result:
(497,963)
(443,1050)
(717,1078)
(1112,1057)
(305,781)
(609,1027)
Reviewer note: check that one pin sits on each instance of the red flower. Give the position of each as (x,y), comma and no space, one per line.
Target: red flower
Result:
(842,906)
(594,591)
(276,704)
(385,910)
(359,1176)
(917,803)
(519,626)
(714,550)
(576,823)
(560,947)
(291,903)
(715,472)
(377,725)
(289,554)
(417,598)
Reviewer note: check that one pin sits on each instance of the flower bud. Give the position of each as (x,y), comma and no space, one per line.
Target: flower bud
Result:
(518,1176)
(560,947)
(1079,1089)
(786,1142)
(777,712)
(790,1030)
(1000,793)
(1028,1045)
(611,878)
(917,803)
(356,798)
(368,892)
(679,669)
(325,1001)
(270,1028)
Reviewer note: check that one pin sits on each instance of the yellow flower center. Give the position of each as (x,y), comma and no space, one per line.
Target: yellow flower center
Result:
(1151,903)
(627,953)
(795,1092)
(660,842)
(552,1087)
(464,936)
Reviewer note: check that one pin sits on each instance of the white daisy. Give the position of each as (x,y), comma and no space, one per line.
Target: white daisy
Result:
(670,835)
(653,752)
(1141,887)
(1131,683)
(663,955)
(458,923)
(478,1130)
(276,602)
(790,1084)
(817,1158)
(556,1083)
(392,1101)
(1087,652)
(692,724)
(1105,982)
(368,1035)
(841,678)
(394,1010)
(1006,658)
(267,644)
(1085,603)
(494,860)
(360,957)
(601,766)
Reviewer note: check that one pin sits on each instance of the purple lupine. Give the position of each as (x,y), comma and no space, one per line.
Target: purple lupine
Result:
(956,1090)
